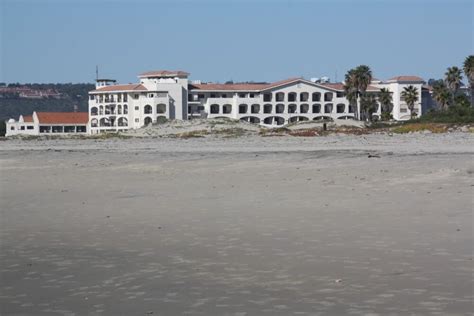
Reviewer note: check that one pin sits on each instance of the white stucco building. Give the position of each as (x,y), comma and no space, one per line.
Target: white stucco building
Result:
(396,85)
(170,95)
(53,123)
(161,95)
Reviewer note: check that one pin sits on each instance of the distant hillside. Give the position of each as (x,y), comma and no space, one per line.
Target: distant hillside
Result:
(14,104)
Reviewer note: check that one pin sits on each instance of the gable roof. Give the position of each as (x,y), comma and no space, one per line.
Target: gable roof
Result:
(257,87)
(121,87)
(62,117)
(241,86)
(164,73)
(406,78)
(28,118)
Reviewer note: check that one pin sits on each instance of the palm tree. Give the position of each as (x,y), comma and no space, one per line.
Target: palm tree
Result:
(468,68)
(441,95)
(356,82)
(453,77)
(385,99)
(410,94)
(368,105)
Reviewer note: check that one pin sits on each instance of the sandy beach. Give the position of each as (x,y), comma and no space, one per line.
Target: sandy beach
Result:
(334,225)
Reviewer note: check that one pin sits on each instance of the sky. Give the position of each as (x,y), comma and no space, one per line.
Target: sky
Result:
(241,40)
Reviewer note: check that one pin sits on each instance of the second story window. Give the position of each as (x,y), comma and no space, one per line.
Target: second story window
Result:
(151,95)
(200,96)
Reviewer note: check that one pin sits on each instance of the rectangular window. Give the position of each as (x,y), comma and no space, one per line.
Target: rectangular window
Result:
(137,108)
(241,95)
(213,95)
(339,94)
(137,120)
(135,96)
(224,96)
(30,127)
(124,97)
(200,96)
(252,95)
(151,95)
(12,128)
(91,97)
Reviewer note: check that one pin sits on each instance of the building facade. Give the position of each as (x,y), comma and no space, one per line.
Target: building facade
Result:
(49,123)
(170,95)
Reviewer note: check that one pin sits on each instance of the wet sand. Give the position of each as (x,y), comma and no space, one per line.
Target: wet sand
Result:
(246,226)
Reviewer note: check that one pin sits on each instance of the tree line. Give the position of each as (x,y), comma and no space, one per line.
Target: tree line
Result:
(445,91)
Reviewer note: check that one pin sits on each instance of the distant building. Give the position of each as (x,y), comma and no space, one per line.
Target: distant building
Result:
(396,85)
(162,95)
(170,95)
(49,123)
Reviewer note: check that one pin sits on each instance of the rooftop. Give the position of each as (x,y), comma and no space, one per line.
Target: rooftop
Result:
(121,87)
(63,117)
(164,73)
(406,78)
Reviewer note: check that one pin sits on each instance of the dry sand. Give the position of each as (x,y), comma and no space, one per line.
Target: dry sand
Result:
(245,226)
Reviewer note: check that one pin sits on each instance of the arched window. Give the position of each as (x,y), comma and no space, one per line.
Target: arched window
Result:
(147,120)
(280,108)
(227,109)
(101,110)
(340,108)
(161,108)
(147,109)
(304,108)
(267,108)
(304,96)
(119,109)
(243,108)
(291,108)
(94,111)
(316,108)
(280,97)
(94,122)
(214,109)
(292,97)
(316,97)
(328,96)
(125,109)
(104,122)
(255,109)
(122,121)
(328,108)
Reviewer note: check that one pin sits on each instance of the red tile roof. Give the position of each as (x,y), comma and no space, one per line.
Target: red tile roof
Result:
(339,86)
(63,117)
(164,73)
(240,86)
(406,78)
(122,87)
(230,87)
(28,118)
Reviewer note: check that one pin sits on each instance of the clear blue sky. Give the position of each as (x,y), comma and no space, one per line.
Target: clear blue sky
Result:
(63,41)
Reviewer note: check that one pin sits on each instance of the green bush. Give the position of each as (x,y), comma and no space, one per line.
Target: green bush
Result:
(455,114)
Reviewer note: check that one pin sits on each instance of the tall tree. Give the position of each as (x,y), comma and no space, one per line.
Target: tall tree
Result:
(468,68)
(368,105)
(386,105)
(441,95)
(410,94)
(356,82)
(452,78)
